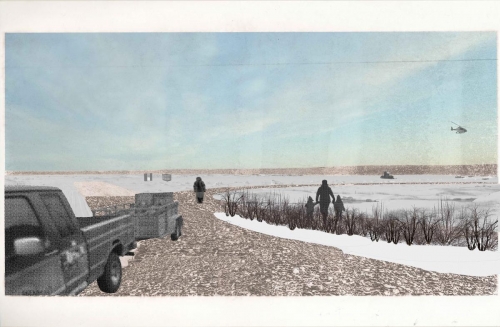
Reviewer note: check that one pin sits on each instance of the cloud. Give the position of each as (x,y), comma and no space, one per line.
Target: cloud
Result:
(349,92)
(149,99)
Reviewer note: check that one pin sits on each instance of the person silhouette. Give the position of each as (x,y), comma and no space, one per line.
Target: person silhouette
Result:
(338,206)
(324,192)
(310,208)
(199,189)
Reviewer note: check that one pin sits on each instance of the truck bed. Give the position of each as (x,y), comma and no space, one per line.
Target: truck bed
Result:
(87,221)
(104,233)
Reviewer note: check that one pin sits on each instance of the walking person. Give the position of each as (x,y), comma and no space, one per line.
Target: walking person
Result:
(199,189)
(338,206)
(310,208)
(324,192)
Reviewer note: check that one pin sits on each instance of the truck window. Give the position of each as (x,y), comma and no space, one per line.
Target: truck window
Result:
(20,221)
(59,215)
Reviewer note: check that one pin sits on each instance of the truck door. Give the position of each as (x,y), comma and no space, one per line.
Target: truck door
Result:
(29,271)
(72,247)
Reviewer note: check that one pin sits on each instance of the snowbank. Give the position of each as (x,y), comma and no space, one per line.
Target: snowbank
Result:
(442,259)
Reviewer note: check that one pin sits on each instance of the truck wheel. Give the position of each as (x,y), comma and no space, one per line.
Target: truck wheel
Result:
(175,236)
(111,278)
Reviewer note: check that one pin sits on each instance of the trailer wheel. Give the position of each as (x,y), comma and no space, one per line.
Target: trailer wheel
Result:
(111,278)
(175,236)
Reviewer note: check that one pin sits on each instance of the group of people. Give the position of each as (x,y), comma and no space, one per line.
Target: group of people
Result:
(323,198)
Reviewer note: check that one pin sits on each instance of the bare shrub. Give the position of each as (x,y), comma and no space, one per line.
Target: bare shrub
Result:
(363,225)
(300,216)
(274,212)
(479,230)
(340,228)
(448,231)
(468,230)
(351,221)
(253,208)
(296,216)
(391,227)
(334,221)
(428,224)
(316,220)
(246,208)
(288,210)
(408,224)
(446,225)
(373,224)
(262,211)
(230,202)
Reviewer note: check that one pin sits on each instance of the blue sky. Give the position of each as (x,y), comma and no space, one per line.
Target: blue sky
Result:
(248,100)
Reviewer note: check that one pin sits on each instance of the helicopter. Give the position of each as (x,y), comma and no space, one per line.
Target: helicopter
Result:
(459,129)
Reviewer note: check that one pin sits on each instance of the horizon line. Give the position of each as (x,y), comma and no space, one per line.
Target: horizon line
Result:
(166,170)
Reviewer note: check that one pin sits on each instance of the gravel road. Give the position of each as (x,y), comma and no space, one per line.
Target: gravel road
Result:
(216,258)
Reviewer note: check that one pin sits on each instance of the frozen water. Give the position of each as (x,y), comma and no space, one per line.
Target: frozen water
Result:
(399,196)
(388,190)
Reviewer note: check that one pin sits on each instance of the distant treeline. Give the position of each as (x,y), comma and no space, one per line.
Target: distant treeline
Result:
(467,170)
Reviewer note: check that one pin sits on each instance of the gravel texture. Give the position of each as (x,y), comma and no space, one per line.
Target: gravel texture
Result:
(216,258)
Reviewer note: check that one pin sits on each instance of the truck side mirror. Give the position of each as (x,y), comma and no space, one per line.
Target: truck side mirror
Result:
(28,246)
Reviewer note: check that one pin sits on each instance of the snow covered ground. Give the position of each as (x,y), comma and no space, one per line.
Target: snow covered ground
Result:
(340,183)
(442,259)
(389,192)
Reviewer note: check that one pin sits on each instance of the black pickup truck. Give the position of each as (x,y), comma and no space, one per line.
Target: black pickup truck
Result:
(49,251)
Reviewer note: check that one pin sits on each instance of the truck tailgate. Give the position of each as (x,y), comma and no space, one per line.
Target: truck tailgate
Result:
(104,233)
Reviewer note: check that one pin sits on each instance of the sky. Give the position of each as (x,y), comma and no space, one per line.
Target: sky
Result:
(139,101)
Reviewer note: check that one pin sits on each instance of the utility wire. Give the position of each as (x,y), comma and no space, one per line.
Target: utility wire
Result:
(280,64)
(347,62)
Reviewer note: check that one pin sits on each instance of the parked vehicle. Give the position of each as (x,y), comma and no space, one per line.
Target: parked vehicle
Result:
(49,251)
(387,175)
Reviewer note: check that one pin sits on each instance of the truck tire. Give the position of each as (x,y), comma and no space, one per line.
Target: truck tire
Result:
(111,278)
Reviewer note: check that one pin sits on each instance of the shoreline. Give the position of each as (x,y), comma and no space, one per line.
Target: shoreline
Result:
(479,169)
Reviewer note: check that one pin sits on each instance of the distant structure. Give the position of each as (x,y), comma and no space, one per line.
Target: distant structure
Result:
(148,178)
(387,175)
(166,177)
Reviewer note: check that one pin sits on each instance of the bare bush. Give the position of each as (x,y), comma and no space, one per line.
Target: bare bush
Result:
(246,208)
(351,221)
(316,220)
(333,221)
(448,231)
(300,215)
(363,225)
(468,230)
(340,228)
(446,225)
(428,224)
(274,212)
(230,202)
(391,227)
(479,230)
(296,216)
(373,224)
(408,225)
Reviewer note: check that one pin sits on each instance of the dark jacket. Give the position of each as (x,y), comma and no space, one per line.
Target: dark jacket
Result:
(323,193)
(199,186)
(339,205)
(310,206)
